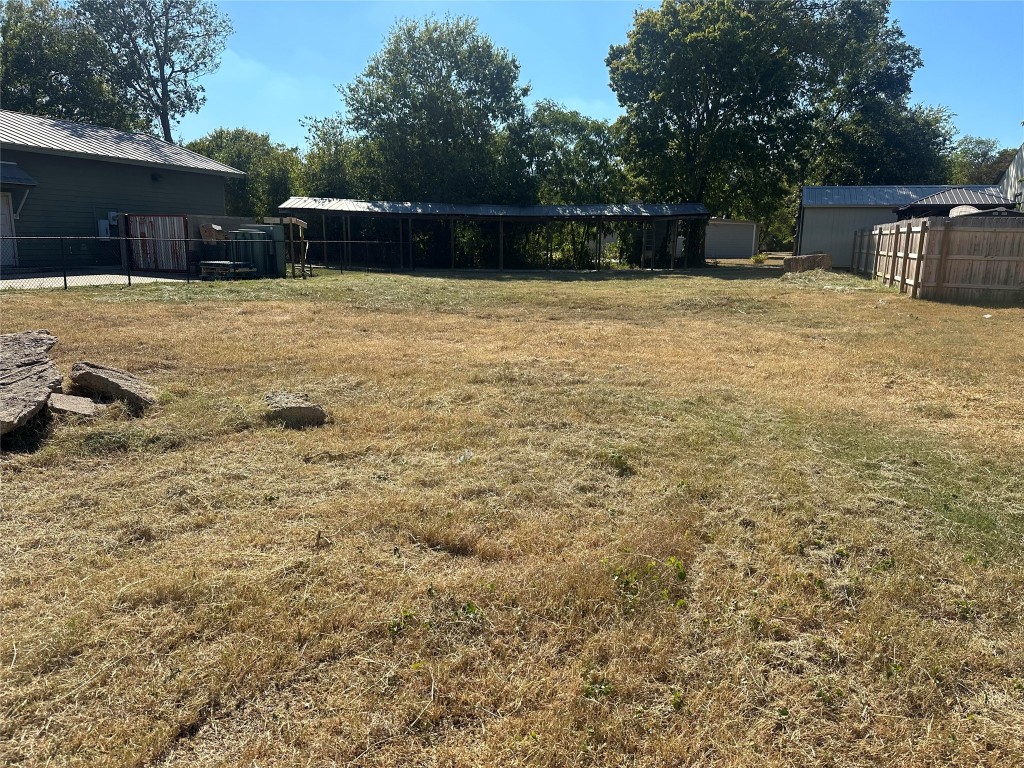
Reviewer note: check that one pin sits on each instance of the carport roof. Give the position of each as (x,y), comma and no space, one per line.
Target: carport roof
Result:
(619,211)
(891,196)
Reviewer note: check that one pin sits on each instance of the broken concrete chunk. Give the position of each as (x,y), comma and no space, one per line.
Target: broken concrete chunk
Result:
(79,406)
(295,410)
(112,382)
(27,377)
(807,262)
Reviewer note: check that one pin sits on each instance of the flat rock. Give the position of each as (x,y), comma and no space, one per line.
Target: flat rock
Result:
(80,406)
(27,376)
(112,382)
(295,410)
(807,262)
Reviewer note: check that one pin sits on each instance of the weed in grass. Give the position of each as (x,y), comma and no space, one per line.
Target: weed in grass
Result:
(618,463)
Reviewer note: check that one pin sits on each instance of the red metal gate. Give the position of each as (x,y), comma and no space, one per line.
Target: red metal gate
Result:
(158,242)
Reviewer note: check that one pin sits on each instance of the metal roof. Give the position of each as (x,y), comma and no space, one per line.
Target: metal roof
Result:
(12,175)
(33,133)
(446,210)
(880,196)
(962,196)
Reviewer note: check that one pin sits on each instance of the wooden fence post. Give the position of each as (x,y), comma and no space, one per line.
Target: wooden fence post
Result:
(915,291)
(940,277)
(878,249)
(906,257)
(893,255)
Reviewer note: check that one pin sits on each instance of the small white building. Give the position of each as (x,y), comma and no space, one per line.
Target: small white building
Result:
(829,216)
(730,239)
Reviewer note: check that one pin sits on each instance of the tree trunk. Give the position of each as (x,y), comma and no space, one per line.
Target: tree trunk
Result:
(165,124)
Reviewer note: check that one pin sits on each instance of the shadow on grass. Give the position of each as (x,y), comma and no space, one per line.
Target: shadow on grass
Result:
(30,437)
(745,272)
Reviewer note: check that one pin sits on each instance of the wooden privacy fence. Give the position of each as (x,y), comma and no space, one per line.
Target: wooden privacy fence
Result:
(964,260)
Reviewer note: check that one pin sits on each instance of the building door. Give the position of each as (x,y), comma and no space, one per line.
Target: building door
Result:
(8,245)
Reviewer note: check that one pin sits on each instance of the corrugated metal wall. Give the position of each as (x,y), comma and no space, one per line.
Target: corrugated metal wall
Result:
(831,230)
(730,239)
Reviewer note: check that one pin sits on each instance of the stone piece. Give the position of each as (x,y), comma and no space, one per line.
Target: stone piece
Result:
(807,262)
(27,377)
(295,410)
(112,382)
(79,406)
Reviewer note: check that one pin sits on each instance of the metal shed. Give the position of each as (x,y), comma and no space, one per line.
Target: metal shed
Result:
(829,216)
(730,239)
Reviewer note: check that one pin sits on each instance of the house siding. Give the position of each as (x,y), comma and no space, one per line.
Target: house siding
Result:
(72,194)
(1012,182)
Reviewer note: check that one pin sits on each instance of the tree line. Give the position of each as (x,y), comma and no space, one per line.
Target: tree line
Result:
(732,103)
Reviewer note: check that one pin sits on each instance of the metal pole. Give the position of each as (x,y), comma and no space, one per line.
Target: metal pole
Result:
(451,222)
(412,263)
(401,244)
(501,245)
(128,267)
(64,262)
(675,242)
(550,237)
(291,248)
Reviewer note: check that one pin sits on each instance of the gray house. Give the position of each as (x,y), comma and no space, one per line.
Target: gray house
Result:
(829,216)
(61,181)
(1011,184)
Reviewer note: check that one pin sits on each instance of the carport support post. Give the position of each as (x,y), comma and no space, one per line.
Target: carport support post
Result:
(501,245)
(675,243)
(401,248)
(64,263)
(323,227)
(291,248)
(348,241)
(451,224)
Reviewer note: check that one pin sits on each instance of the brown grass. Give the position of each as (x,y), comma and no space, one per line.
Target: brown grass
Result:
(633,521)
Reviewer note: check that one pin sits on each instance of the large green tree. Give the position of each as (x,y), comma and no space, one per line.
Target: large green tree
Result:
(439,113)
(574,157)
(272,170)
(332,160)
(735,103)
(711,92)
(53,64)
(979,161)
(885,144)
(158,51)
(865,130)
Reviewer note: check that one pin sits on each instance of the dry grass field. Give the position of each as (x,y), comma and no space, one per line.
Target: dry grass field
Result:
(718,520)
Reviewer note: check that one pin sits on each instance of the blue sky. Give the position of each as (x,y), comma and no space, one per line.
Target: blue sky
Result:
(285,59)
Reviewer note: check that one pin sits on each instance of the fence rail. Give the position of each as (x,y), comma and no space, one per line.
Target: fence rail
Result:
(963,260)
(75,261)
